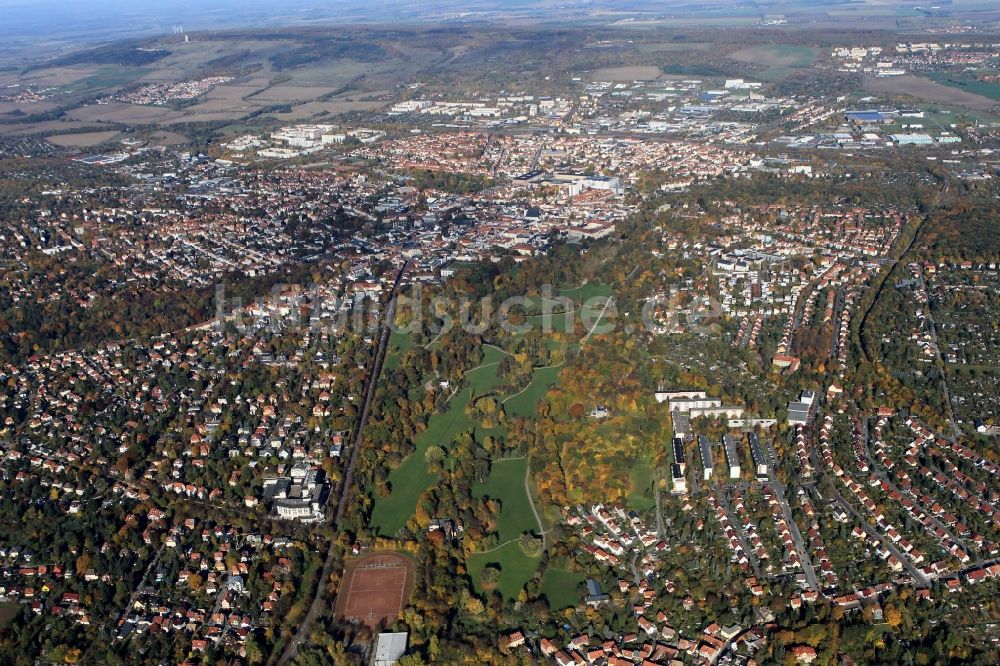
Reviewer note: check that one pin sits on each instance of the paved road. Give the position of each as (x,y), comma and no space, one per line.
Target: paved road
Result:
(659,515)
(597,321)
(720,495)
(956,431)
(636,578)
(892,269)
(863,523)
(376,369)
(880,473)
(876,534)
(142,583)
(786,511)
(838,317)
(388,318)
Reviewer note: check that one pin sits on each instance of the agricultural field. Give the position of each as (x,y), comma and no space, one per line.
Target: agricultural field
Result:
(317,76)
(777,55)
(85,140)
(636,73)
(130,114)
(105,77)
(927,90)
(314,110)
(674,47)
(165,138)
(27,108)
(968,84)
(47,127)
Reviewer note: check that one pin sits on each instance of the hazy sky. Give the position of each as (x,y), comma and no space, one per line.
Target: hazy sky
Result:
(101,19)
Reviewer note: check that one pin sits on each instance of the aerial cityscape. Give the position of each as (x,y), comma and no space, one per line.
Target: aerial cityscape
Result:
(599,332)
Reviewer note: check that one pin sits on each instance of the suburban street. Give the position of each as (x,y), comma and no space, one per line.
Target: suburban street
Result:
(786,511)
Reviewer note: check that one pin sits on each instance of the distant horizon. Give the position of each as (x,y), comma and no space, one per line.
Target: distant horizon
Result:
(59,22)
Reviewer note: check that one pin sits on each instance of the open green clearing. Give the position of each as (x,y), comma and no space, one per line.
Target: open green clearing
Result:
(586,291)
(523,404)
(775,62)
(516,568)
(506,484)
(412,477)
(640,497)
(559,586)
(484,379)
(399,343)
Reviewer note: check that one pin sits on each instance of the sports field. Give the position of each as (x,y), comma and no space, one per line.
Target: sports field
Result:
(375,588)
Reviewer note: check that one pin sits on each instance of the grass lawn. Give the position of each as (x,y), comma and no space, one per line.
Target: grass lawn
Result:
(484,379)
(640,497)
(506,483)
(561,321)
(523,404)
(586,291)
(557,322)
(516,568)
(559,587)
(412,477)
(398,344)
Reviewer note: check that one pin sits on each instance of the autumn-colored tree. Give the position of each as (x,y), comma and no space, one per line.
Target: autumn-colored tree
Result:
(83,563)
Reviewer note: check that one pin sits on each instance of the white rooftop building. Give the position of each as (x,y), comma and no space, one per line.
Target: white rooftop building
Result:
(389,648)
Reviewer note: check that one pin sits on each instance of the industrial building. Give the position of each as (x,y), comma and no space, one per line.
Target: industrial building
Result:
(871,116)
(912,139)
